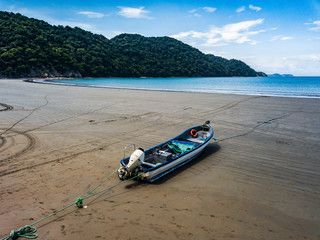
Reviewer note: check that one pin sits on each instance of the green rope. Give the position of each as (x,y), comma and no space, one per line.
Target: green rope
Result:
(79,202)
(102,182)
(26,232)
(92,195)
(29,232)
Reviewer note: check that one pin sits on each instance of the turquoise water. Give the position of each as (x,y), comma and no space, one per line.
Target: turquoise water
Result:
(308,87)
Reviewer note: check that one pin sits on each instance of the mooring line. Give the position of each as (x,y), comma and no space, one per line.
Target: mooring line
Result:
(252,129)
(29,231)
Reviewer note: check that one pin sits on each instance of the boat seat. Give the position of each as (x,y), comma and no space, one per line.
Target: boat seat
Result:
(148,164)
(196,140)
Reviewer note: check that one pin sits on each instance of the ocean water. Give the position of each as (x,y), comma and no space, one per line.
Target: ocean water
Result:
(307,87)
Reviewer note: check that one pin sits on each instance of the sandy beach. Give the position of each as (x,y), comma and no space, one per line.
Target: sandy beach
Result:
(259,180)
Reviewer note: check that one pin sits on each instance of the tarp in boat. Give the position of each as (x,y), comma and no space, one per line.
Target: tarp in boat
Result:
(180,147)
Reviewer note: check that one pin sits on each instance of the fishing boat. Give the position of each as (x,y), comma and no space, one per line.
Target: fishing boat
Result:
(150,165)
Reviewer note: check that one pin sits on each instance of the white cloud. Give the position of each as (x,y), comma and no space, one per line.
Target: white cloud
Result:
(273,28)
(209,9)
(300,65)
(241,9)
(84,26)
(286,38)
(10,8)
(195,12)
(197,15)
(53,21)
(316,27)
(130,12)
(280,37)
(24,11)
(92,14)
(230,33)
(254,8)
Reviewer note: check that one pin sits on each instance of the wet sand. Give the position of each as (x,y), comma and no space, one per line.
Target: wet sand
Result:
(260,180)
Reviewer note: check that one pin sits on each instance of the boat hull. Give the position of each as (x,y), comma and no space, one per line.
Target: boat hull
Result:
(155,172)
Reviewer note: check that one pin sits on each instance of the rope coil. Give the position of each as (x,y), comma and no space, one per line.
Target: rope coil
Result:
(26,232)
(79,202)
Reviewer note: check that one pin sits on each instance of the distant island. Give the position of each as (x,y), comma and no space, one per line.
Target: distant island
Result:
(280,75)
(34,48)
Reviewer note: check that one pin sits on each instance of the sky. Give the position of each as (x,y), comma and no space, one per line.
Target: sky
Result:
(272,36)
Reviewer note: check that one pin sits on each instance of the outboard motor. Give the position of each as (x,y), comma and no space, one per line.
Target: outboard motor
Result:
(133,165)
(205,126)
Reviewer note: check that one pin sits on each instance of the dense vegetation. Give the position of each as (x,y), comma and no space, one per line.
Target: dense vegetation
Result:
(34,48)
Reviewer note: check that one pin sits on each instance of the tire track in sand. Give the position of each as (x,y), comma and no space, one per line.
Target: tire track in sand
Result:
(228,106)
(3,141)
(9,145)
(30,145)
(135,133)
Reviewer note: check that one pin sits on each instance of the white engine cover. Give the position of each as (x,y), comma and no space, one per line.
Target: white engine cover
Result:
(135,159)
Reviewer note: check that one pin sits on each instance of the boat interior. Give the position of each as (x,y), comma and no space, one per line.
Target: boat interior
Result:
(172,149)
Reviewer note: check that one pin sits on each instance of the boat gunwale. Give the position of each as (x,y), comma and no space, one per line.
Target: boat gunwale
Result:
(171,169)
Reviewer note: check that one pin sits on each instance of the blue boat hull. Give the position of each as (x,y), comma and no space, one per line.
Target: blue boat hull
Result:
(150,172)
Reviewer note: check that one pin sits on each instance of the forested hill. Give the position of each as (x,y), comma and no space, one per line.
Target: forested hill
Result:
(34,48)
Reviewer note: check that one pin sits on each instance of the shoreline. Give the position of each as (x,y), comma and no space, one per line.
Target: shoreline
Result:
(49,81)
(260,181)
